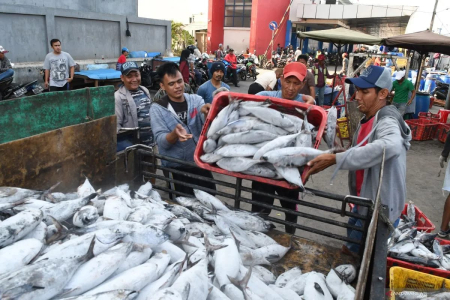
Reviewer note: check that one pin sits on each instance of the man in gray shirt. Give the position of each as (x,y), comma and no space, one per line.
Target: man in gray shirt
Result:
(57,65)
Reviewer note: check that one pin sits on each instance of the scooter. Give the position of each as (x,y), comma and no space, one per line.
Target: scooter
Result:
(239,69)
(251,69)
(9,90)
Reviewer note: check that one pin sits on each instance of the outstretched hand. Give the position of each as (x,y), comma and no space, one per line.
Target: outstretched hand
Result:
(181,133)
(320,163)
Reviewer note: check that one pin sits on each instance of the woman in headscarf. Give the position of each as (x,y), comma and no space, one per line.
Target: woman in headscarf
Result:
(184,65)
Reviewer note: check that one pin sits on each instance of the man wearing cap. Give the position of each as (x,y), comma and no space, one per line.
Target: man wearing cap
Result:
(133,104)
(381,129)
(344,64)
(401,89)
(231,58)
(320,72)
(291,83)
(123,58)
(207,89)
(309,88)
(5,65)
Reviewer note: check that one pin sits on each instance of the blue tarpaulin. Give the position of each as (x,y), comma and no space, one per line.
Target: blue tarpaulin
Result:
(102,74)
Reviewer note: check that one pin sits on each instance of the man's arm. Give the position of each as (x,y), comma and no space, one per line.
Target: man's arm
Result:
(118,109)
(7,66)
(312,91)
(308,99)
(46,75)
(71,72)
(413,94)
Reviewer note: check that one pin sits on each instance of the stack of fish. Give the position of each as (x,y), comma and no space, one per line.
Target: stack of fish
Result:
(417,247)
(133,245)
(254,139)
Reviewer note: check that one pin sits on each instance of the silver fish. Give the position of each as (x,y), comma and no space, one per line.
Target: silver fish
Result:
(39,233)
(272,116)
(288,276)
(139,255)
(112,295)
(264,275)
(316,287)
(226,262)
(222,118)
(237,150)
(86,215)
(209,145)
(18,226)
(236,164)
(331,127)
(280,142)
(85,189)
(183,212)
(209,200)
(195,277)
(63,210)
(239,125)
(411,211)
(247,220)
(210,158)
(19,254)
(285,293)
(262,170)
(292,156)
(291,174)
(145,189)
(248,137)
(12,194)
(50,276)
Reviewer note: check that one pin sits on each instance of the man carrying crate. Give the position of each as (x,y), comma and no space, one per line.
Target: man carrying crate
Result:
(381,128)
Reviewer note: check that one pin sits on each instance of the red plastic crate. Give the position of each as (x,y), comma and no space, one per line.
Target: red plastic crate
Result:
(392,262)
(422,129)
(317,116)
(442,132)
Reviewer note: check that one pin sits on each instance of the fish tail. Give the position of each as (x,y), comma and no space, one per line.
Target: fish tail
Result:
(60,234)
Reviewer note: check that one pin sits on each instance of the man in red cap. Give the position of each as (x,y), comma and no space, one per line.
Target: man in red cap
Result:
(292,82)
(320,76)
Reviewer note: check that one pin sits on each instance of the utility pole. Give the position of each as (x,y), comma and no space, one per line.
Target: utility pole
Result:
(433,15)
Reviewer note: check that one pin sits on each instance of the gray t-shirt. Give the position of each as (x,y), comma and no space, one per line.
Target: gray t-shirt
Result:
(59,66)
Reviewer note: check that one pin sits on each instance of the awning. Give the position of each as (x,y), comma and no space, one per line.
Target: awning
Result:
(422,41)
(341,36)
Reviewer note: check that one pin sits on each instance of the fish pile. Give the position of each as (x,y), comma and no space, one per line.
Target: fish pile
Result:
(122,244)
(417,247)
(251,138)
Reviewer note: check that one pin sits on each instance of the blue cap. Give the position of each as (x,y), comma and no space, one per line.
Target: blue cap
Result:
(129,66)
(125,49)
(218,65)
(373,76)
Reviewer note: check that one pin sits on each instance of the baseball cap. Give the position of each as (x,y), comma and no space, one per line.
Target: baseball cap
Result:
(128,67)
(3,50)
(217,66)
(373,76)
(125,49)
(295,69)
(321,57)
(399,75)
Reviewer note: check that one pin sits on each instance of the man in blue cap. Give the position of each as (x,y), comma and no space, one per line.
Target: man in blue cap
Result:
(381,128)
(122,59)
(207,89)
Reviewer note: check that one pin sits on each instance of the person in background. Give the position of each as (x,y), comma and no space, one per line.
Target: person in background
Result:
(279,48)
(59,68)
(195,74)
(177,123)
(184,65)
(122,58)
(255,57)
(265,82)
(402,88)
(291,83)
(309,86)
(227,49)
(320,73)
(220,53)
(132,106)
(445,230)
(197,53)
(207,89)
(381,130)
(344,64)
(297,53)
(6,70)
(231,58)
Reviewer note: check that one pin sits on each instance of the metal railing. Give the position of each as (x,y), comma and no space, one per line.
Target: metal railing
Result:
(147,158)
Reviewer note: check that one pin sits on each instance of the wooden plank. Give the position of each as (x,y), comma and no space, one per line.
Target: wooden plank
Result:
(63,155)
(24,117)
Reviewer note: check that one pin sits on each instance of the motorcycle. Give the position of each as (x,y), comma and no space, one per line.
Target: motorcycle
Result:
(251,69)
(202,67)
(9,90)
(441,90)
(240,72)
(149,78)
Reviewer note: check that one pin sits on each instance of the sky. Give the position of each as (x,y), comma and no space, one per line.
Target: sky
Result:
(176,10)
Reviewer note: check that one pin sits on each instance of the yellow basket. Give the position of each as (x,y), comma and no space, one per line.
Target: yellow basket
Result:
(401,278)
(343,128)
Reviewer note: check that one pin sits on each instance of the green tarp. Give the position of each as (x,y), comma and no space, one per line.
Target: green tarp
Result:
(24,117)
(341,36)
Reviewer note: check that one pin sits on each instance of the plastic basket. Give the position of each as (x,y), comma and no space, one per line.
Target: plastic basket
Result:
(422,129)
(343,127)
(442,132)
(317,117)
(401,279)
(392,262)
(423,223)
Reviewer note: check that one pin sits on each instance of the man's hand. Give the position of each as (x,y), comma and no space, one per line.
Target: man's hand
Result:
(309,100)
(442,160)
(69,79)
(181,133)
(320,163)
(46,85)
(205,109)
